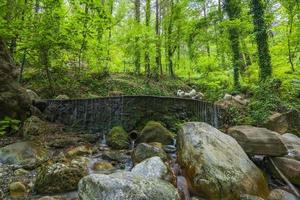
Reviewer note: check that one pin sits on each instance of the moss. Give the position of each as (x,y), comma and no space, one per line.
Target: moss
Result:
(59,177)
(155,132)
(118,138)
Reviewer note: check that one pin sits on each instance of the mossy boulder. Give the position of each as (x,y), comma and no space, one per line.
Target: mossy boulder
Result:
(61,176)
(144,151)
(155,132)
(118,138)
(34,126)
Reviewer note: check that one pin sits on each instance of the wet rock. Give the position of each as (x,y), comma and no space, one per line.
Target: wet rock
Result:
(17,190)
(27,154)
(277,122)
(258,141)
(79,151)
(125,186)
(155,132)
(102,166)
(289,167)
(250,197)
(115,155)
(292,142)
(216,165)
(278,194)
(21,172)
(32,95)
(152,167)
(183,187)
(34,126)
(51,198)
(62,97)
(144,151)
(118,138)
(227,97)
(61,176)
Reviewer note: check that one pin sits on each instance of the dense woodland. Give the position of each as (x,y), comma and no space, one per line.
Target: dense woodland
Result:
(215,46)
(150,99)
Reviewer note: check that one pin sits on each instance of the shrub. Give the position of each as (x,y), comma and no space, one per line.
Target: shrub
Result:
(9,125)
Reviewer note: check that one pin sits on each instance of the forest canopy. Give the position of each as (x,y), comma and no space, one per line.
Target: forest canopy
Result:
(218,44)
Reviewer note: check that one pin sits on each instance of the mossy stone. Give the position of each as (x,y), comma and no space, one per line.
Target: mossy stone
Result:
(118,138)
(156,132)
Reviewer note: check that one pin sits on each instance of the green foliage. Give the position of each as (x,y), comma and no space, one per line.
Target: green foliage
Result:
(9,125)
(266,99)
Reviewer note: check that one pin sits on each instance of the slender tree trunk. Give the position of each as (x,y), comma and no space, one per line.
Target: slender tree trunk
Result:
(137,61)
(220,51)
(84,40)
(147,56)
(261,35)
(44,60)
(158,44)
(22,66)
(170,42)
(106,69)
(290,28)
(206,28)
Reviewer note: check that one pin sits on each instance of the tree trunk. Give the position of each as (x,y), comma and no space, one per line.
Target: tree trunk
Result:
(261,35)
(137,61)
(170,42)
(158,44)
(147,56)
(290,28)
(232,7)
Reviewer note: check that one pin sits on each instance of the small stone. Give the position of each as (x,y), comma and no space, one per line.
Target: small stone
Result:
(144,151)
(102,165)
(79,151)
(17,190)
(152,167)
(250,197)
(62,97)
(21,172)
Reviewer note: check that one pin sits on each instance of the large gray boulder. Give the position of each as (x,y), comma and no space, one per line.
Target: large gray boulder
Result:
(152,167)
(216,165)
(28,154)
(258,141)
(125,186)
(292,142)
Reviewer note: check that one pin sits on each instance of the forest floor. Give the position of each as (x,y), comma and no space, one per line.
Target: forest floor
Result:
(97,86)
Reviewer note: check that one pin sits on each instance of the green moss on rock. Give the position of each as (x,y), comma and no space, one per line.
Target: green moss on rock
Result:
(156,132)
(60,177)
(118,138)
